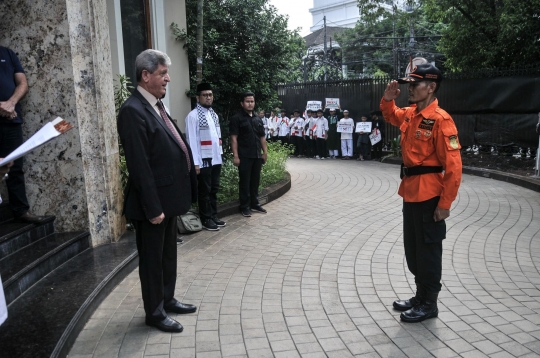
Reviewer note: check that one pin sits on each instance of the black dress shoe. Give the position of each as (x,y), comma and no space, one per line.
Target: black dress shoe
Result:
(422,311)
(167,325)
(404,305)
(209,224)
(258,209)
(180,308)
(246,212)
(31,219)
(219,223)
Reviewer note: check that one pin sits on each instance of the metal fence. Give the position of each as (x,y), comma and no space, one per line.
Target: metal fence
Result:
(495,108)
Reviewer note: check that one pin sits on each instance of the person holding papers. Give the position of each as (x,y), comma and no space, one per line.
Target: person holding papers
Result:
(13,87)
(346,137)
(363,144)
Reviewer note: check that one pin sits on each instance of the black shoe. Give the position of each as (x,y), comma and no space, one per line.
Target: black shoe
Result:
(209,224)
(166,325)
(30,218)
(179,240)
(258,209)
(246,212)
(404,305)
(219,223)
(420,312)
(180,308)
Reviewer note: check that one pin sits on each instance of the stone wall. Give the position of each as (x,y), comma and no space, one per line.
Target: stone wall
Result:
(64,48)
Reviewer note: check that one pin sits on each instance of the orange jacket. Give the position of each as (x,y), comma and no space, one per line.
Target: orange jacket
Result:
(428,138)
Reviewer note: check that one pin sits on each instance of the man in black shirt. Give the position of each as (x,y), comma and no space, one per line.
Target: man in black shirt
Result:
(13,87)
(249,149)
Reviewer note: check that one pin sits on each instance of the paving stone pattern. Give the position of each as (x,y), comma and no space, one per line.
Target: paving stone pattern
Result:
(317,275)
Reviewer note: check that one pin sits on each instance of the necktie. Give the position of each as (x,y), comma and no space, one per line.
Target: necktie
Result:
(173,130)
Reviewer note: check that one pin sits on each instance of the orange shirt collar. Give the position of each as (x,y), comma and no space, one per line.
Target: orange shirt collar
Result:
(429,110)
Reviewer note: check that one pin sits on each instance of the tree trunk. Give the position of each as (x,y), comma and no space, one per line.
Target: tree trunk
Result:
(199,40)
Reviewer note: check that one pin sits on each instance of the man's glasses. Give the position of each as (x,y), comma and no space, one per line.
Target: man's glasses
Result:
(209,95)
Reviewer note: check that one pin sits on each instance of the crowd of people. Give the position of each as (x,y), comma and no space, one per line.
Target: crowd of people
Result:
(314,134)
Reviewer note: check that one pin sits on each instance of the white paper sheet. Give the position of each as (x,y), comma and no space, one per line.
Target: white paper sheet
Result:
(3,306)
(45,134)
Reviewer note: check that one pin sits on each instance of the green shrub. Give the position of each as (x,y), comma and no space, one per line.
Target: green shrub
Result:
(272,172)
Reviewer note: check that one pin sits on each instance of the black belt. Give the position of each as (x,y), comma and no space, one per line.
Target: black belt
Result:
(418,170)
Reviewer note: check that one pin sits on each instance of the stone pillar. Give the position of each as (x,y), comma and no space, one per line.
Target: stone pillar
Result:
(64,48)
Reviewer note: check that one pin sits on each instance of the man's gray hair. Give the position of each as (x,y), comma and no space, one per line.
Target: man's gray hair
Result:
(150,60)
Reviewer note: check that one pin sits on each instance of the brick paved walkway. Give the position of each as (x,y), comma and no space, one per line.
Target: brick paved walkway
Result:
(317,275)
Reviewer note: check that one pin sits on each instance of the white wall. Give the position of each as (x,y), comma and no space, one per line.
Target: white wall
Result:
(342,13)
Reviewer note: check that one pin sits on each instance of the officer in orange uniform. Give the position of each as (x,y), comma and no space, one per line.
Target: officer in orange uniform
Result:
(431,176)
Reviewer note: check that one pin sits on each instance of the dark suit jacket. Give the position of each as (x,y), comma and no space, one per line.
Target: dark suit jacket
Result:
(159,181)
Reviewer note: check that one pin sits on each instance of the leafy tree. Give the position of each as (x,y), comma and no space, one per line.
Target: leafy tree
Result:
(488,33)
(382,42)
(247,46)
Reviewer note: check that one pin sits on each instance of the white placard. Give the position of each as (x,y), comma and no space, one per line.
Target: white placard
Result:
(332,103)
(345,127)
(363,127)
(3,306)
(375,137)
(314,105)
(45,134)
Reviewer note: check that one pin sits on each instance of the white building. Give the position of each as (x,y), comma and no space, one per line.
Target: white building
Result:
(340,13)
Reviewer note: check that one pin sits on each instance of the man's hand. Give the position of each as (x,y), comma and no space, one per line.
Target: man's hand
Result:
(265,157)
(158,219)
(8,107)
(236,161)
(5,168)
(441,214)
(197,169)
(392,91)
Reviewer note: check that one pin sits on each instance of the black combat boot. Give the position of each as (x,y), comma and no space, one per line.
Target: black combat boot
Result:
(422,311)
(404,305)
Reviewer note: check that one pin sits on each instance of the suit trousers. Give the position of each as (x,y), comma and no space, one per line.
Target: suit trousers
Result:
(422,239)
(208,185)
(11,137)
(249,172)
(156,245)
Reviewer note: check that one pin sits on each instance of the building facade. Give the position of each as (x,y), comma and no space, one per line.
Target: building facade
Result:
(72,51)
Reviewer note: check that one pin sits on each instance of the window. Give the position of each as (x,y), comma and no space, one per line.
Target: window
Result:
(135,32)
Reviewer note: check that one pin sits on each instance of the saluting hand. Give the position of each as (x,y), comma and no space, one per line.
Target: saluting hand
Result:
(392,91)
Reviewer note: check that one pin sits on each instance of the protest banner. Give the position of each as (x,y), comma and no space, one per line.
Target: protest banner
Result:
(363,127)
(332,103)
(314,105)
(345,127)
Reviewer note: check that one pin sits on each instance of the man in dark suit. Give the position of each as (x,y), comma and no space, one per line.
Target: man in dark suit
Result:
(162,185)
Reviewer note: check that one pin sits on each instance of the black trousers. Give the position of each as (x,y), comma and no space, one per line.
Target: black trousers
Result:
(308,147)
(10,138)
(249,172)
(208,186)
(377,150)
(321,148)
(298,145)
(156,245)
(364,150)
(422,239)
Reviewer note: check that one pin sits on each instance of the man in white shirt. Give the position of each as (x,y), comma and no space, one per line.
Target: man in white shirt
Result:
(266,120)
(347,138)
(297,133)
(321,134)
(283,127)
(310,148)
(204,136)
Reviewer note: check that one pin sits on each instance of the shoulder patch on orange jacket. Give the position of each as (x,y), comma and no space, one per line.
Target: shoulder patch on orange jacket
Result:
(449,130)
